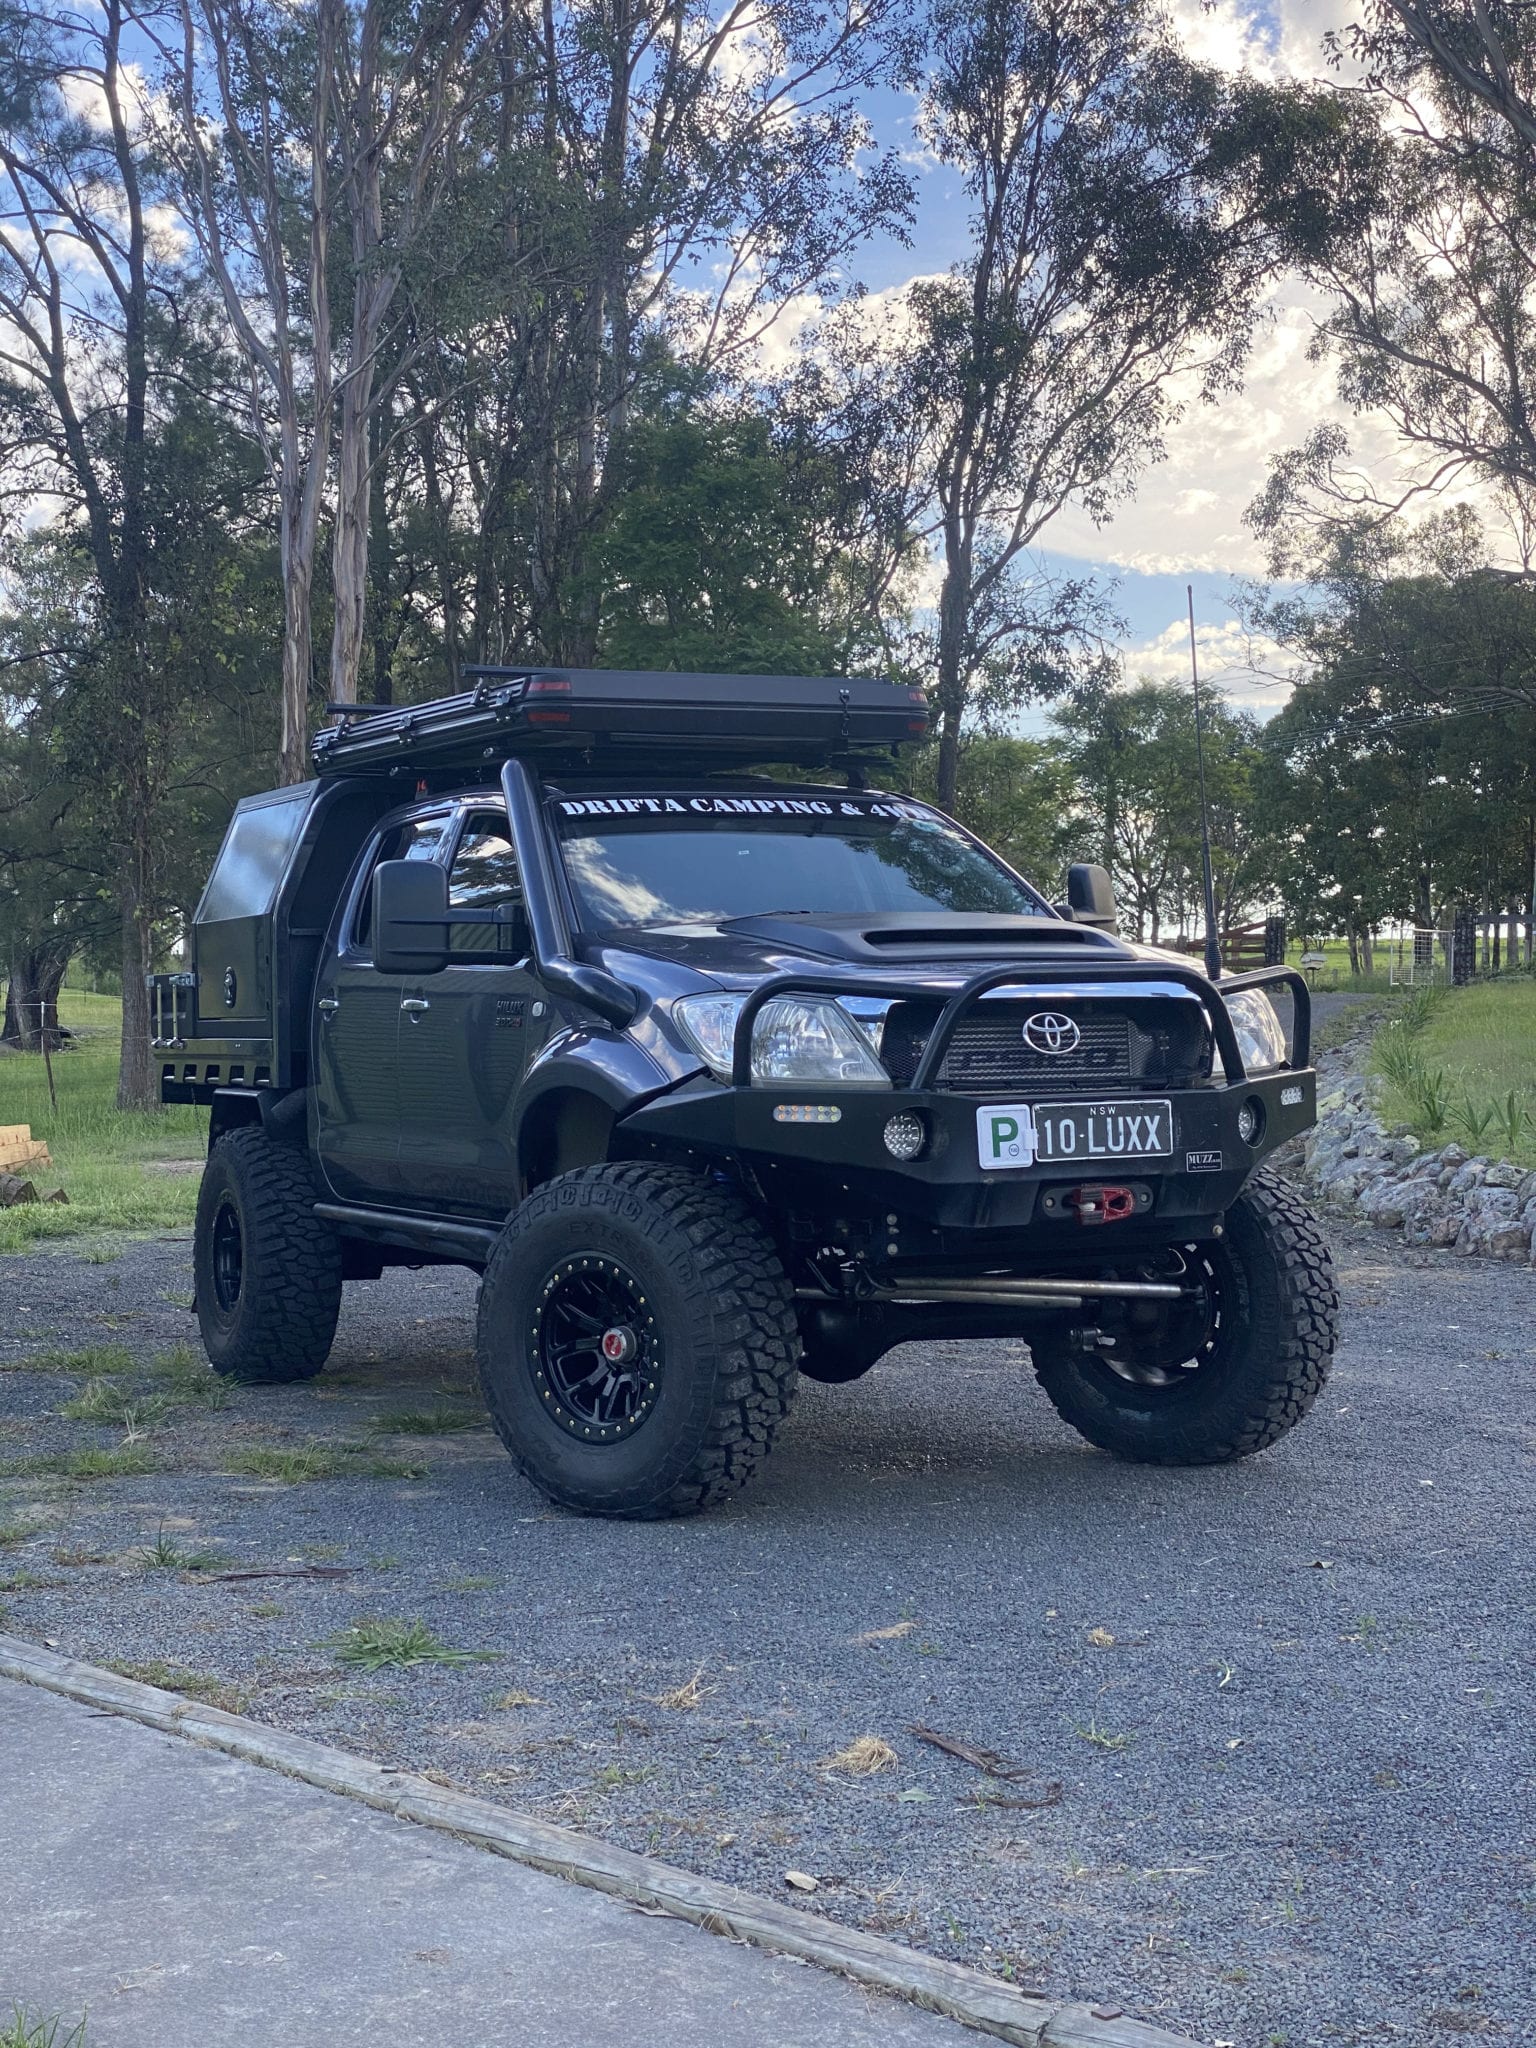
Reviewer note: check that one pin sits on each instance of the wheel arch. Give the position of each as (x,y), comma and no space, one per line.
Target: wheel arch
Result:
(571,1102)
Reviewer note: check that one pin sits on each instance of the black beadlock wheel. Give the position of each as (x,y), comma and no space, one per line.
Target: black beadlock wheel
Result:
(636,1341)
(1230,1371)
(267,1271)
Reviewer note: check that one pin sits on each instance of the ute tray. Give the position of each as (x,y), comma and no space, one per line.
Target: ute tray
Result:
(607,717)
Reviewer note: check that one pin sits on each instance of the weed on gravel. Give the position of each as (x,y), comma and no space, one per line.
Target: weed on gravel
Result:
(386,1645)
(165,1554)
(110,1401)
(426,1421)
(95,1360)
(196,1685)
(320,1461)
(23,2031)
(127,1463)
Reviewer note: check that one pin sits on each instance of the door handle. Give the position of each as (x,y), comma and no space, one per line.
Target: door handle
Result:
(327,1006)
(414,1005)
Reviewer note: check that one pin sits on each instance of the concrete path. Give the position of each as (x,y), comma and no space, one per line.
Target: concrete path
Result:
(183,1899)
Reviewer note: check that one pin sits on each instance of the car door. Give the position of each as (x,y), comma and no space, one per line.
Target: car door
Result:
(466,1037)
(357,1034)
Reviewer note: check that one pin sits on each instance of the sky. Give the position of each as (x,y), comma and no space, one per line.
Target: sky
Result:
(1185,525)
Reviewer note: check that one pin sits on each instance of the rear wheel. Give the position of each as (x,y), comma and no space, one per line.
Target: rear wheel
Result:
(636,1341)
(267,1271)
(1227,1371)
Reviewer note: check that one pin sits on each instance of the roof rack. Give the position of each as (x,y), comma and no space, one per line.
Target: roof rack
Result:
(606,718)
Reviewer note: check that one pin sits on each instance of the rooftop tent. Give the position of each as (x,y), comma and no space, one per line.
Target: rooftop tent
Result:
(611,718)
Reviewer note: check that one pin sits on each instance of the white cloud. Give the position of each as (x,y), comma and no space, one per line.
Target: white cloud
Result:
(1251,669)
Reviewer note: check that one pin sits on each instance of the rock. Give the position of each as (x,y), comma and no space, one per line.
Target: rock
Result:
(1528,1188)
(1467,1177)
(1386,1203)
(1453,1155)
(1503,1175)
(1489,1221)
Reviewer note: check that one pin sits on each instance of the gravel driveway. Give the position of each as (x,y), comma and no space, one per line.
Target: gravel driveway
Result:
(1272,1723)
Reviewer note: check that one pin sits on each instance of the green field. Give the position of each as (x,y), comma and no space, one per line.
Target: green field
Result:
(1462,1065)
(116,1168)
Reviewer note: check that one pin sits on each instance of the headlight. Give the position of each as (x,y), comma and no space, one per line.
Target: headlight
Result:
(795,1038)
(1260,1034)
(709,1025)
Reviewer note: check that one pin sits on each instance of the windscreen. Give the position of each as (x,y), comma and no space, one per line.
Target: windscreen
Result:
(642,861)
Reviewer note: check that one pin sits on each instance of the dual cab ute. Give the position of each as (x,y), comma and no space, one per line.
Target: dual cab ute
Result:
(721,1074)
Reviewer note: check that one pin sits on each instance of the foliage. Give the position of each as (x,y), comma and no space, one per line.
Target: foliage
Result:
(1134,755)
(1466,1067)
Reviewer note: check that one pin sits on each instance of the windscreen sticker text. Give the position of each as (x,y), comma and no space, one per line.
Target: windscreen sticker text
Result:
(736,807)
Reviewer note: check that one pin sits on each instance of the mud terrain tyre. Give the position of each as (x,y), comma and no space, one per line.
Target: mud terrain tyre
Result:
(1264,1347)
(267,1271)
(636,1341)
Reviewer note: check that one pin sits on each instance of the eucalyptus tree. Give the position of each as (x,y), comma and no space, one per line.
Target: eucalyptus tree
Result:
(315,145)
(1127,207)
(88,299)
(657,181)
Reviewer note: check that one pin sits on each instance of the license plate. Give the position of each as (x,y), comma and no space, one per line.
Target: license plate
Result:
(1068,1131)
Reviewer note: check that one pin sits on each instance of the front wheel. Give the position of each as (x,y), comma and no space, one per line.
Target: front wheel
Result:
(636,1341)
(1227,1371)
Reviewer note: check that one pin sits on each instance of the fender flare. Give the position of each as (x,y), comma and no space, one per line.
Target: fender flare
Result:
(610,1074)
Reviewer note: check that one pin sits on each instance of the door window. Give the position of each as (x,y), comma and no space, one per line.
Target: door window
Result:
(417,839)
(484,876)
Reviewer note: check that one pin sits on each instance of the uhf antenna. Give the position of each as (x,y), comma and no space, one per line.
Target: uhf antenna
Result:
(1207,876)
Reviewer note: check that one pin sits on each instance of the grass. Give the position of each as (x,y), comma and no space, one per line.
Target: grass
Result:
(864,1756)
(95,1360)
(426,1421)
(100,1152)
(129,1462)
(197,1685)
(110,1401)
(320,1461)
(165,1554)
(1458,1065)
(21,2030)
(684,1698)
(397,1645)
(1102,1738)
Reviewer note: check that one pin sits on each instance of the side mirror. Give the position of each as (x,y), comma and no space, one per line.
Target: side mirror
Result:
(410,917)
(1091,895)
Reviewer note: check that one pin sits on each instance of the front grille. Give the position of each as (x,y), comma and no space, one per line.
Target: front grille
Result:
(1153,1045)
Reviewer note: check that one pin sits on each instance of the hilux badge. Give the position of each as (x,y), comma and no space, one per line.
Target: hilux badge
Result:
(1049,1031)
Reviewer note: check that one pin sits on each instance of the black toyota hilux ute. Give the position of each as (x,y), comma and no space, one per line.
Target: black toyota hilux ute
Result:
(720,1073)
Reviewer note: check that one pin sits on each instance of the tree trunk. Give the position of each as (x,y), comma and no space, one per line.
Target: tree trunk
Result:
(293,755)
(954,608)
(1354,950)
(349,550)
(136,1087)
(1367,953)
(32,998)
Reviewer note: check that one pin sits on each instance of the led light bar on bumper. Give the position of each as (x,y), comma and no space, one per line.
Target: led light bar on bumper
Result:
(803,1039)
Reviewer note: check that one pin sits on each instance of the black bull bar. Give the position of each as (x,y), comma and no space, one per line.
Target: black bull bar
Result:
(1121,973)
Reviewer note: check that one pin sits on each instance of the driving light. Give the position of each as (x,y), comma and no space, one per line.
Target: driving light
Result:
(1260,1034)
(1250,1121)
(904,1135)
(807,1113)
